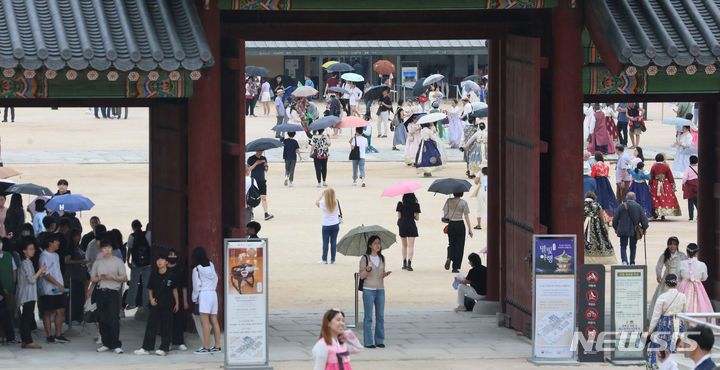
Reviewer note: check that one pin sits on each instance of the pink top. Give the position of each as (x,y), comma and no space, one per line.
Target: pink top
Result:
(690,174)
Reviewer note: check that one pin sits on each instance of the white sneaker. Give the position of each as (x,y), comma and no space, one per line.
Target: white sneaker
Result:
(182,347)
(318,185)
(161,353)
(354,183)
(324,184)
(142,351)
(363,183)
(118,350)
(98,340)
(103,349)
(321,262)
(291,184)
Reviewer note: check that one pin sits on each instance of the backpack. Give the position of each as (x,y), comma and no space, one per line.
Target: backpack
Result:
(253,195)
(140,250)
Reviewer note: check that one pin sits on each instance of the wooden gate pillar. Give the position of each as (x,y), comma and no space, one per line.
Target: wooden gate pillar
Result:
(495,149)
(566,200)
(708,220)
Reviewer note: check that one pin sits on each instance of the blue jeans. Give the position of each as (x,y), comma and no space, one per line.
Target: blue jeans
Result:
(329,236)
(136,274)
(377,298)
(633,247)
(361,164)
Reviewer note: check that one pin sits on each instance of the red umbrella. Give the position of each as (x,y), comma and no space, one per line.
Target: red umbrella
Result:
(384,67)
(352,121)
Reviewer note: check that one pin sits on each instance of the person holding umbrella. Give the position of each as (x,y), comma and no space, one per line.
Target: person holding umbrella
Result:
(454,211)
(372,272)
(257,164)
(428,156)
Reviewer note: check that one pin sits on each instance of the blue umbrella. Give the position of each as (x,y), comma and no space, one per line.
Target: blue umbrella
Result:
(353,77)
(288,127)
(69,203)
(678,122)
(323,123)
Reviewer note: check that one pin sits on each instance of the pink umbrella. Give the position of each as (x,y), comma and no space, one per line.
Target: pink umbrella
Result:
(401,188)
(352,121)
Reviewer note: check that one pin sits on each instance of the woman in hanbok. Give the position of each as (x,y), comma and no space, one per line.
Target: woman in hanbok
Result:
(294,118)
(456,125)
(333,349)
(662,189)
(439,144)
(400,135)
(666,264)
(664,321)
(598,248)
(477,146)
(413,139)
(640,187)
(481,194)
(685,149)
(428,157)
(605,195)
(691,274)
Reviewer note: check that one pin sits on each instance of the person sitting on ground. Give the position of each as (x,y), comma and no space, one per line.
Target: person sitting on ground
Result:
(474,286)
(253,228)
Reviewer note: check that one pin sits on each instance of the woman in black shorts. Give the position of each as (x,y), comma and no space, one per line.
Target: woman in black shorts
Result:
(408,211)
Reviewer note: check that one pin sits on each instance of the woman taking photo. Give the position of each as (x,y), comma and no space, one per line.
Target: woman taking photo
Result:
(204,295)
(27,294)
(454,210)
(333,348)
(330,208)
(408,211)
(372,272)
(320,152)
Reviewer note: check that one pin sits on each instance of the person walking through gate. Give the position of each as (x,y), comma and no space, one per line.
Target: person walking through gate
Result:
(138,246)
(27,293)
(622,123)
(408,212)
(383,118)
(279,110)
(291,154)
(265,96)
(373,274)
(628,216)
(690,185)
(164,302)
(180,279)
(109,274)
(257,164)
(358,143)
(667,264)
(454,210)
(622,174)
(320,152)
(691,274)
(53,290)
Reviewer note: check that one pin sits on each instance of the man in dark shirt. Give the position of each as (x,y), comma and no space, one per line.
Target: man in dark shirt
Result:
(257,164)
(474,286)
(87,238)
(163,293)
(383,122)
(179,276)
(291,153)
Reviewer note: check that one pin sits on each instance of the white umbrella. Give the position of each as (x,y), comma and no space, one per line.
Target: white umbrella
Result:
(432,117)
(304,92)
(432,79)
(353,77)
(469,85)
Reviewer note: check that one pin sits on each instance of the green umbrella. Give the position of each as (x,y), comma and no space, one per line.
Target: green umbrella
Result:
(354,243)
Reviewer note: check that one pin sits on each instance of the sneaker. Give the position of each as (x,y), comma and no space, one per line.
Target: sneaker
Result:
(409,268)
(182,347)
(118,350)
(103,349)
(332,262)
(354,183)
(321,262)
(324,184)
(268,216)
(98,340)
(142,352)
(215,349)
(363,183)
(62,339)
(370,346)
(477,227)
(202,351)
(290,185)
(130,307)
(50,340)
(318,185)
(286,181)
(161,353)
(447,264)
(380,345)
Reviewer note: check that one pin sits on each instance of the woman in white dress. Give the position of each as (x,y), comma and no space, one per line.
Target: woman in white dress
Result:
(456,125)
(685,148)
(481,194)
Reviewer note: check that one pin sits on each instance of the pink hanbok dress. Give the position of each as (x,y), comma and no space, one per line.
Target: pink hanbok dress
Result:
(692,273)
(413,142)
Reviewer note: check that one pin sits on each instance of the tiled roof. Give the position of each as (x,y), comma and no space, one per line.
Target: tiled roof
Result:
(405,47)
(102,34)
(660,32)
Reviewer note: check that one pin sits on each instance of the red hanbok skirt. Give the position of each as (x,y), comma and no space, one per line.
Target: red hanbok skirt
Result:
(665,202)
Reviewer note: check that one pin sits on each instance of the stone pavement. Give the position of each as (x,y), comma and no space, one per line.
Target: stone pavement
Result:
(341,153)
(11,157)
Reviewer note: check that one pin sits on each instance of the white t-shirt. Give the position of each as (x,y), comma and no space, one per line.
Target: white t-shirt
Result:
(346,86)
(362,143)
(375,260)
(329,218)
(52,261)
(355,95)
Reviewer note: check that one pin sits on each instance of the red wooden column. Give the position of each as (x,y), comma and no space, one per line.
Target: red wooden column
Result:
(495,139)
(708,226)
(566,150)
(204,153)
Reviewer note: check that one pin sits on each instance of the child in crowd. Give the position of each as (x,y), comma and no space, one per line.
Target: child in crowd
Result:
(253,228)
(163,303)
(367,132)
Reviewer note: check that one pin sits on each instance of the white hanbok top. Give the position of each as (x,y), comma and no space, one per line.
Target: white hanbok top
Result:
(669,303)
(454,112)
(467,110)
(684,140)
(699,270)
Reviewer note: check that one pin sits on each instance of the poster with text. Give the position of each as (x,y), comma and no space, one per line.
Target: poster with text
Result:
(628,310)
(245,302)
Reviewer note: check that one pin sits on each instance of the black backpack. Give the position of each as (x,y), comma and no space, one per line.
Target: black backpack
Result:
(253,195)
(140,250)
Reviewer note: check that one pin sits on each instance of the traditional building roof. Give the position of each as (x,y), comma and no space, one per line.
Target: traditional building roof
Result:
(102,34)
(660,32)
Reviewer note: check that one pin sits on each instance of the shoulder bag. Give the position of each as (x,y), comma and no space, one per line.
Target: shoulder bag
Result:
(340,216)
(447,219)
(355,152)
(639,232)
(361,282)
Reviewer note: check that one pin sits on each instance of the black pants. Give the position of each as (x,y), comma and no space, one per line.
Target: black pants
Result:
(320,168)
(77,299)
(456,243)
(345,105)
(27,318)
(163,317)
(6,321)
(692,202)
(178,327)
(623,132)
(12,114)
(108,308)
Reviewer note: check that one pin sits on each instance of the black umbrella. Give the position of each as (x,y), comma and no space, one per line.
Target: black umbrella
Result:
(260,145)
(29,189)
(449,186)
(419,89)
(375,92)
(480,113)
(287,127)
(256,71)
(339,90)
(340,67)
(412,117)
(472,78)
(323,123)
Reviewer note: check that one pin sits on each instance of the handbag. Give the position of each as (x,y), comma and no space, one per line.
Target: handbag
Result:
(361,282)
(650,333)
(639,231)
(690,187)
(355,152)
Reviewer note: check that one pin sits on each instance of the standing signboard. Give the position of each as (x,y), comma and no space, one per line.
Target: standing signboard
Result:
(627,321)
(246,303)
(591,309)
(553,299)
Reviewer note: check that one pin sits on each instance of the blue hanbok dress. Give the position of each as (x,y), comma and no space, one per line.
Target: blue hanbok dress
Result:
(641,189)
(428,156)
(605,195)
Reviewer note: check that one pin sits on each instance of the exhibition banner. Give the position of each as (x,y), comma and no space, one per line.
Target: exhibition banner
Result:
(246,303)
(553,298)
